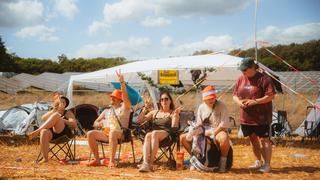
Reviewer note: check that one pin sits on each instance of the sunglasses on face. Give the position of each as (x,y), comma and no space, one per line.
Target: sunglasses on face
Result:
(164,99)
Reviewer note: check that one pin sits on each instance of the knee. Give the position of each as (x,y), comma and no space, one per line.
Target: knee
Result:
(44,132)
(154,136)
(183,137)
(91,134)
(223,139)
(55,115)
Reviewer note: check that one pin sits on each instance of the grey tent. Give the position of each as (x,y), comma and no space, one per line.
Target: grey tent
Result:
(24,118)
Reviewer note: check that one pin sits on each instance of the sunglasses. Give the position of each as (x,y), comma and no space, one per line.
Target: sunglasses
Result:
(164,99)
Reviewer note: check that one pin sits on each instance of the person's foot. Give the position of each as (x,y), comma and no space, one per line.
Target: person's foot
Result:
(43,161)
(145,168)
(94,163)
(31,135)
(257,164)
(265,168)
(111,164)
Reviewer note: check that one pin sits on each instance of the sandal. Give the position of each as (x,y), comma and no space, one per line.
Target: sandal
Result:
(94,163)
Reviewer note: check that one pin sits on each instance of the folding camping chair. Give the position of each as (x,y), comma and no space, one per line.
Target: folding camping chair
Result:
(310,131)
(128,137)
(167,145)
(85,114)
(63,145)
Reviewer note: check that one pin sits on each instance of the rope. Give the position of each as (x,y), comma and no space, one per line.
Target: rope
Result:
(312,81)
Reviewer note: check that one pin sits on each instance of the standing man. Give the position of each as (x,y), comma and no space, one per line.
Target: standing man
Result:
(254,93)
(214,114)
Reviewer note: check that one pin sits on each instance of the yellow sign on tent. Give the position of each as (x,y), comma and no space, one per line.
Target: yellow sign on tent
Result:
(168,77)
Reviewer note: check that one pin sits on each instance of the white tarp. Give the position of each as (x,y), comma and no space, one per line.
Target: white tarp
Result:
(225,73)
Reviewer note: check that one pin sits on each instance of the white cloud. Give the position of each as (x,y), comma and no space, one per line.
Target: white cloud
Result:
(133,47)
(125,10)
(43,33)
(167,41)
(155,22)
(137,10)
(214,43)
(66,8)
(293,34)
(96,26)
(200,7)
(20,12)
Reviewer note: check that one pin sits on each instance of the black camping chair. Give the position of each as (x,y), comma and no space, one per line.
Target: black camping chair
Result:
(62,145)
(86,114)
(279,129)
(310,131)
(127,137)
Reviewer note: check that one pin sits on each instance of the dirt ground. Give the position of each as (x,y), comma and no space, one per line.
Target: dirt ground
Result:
(291,160)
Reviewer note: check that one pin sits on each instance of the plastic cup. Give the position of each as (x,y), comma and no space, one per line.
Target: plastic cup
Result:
(180,160)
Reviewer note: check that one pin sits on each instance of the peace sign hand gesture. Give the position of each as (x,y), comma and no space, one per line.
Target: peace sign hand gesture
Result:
(120,76)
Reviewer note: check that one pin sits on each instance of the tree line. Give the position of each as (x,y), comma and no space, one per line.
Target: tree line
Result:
(304,57)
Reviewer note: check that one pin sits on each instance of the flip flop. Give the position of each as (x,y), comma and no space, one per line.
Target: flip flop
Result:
(93,163)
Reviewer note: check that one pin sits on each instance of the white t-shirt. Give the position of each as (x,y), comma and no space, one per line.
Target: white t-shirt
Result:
(121,113)
(219,116)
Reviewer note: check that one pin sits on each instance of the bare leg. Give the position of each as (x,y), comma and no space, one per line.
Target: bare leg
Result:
(186,144)
(156,137)
(147,148)
(255,146)
(93,136)
(54,122)
(223,141)
(114,135)
(45,137)
(266,150)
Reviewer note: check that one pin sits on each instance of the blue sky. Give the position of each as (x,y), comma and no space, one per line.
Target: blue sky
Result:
(142,29)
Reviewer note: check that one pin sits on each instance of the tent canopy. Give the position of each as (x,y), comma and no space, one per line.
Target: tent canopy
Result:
(225,73)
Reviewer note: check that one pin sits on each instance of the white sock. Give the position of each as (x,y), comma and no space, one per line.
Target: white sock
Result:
(223,162)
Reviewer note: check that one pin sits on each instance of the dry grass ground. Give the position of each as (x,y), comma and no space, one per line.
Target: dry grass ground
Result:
(17,157)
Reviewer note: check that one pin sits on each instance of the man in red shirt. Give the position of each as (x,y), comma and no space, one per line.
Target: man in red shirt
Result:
(254,92)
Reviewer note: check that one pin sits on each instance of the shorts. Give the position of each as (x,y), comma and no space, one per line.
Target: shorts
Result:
(66,131)
(259,130)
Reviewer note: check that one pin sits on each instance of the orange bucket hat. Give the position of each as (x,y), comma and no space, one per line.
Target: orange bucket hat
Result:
(117,94)
(209,92)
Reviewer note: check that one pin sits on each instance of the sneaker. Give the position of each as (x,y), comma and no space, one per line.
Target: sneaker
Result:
(256,165)
(144,168)
(265,168)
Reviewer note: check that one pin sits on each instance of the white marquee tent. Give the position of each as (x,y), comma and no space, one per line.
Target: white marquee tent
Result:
(225,73)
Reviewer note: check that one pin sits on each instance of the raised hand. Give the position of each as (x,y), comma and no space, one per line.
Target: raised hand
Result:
(120,76)
(178,110)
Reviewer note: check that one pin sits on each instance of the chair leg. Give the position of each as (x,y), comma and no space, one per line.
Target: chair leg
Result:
(119,153)
(134,157)
(102,148)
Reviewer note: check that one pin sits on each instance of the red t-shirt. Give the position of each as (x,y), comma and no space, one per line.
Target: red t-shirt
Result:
(253,88)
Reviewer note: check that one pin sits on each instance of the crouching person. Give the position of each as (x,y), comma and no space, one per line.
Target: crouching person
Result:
(214,117)
(116,116)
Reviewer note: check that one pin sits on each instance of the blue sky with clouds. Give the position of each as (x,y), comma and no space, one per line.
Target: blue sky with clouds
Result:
(142,29)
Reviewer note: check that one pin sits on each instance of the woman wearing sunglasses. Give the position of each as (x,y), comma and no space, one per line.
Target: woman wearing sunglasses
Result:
(163,120)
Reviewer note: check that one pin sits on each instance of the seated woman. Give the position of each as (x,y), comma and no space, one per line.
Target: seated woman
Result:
(163,120)
(57,122)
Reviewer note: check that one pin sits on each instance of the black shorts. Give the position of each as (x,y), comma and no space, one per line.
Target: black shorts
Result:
(66,131)
(259,130)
